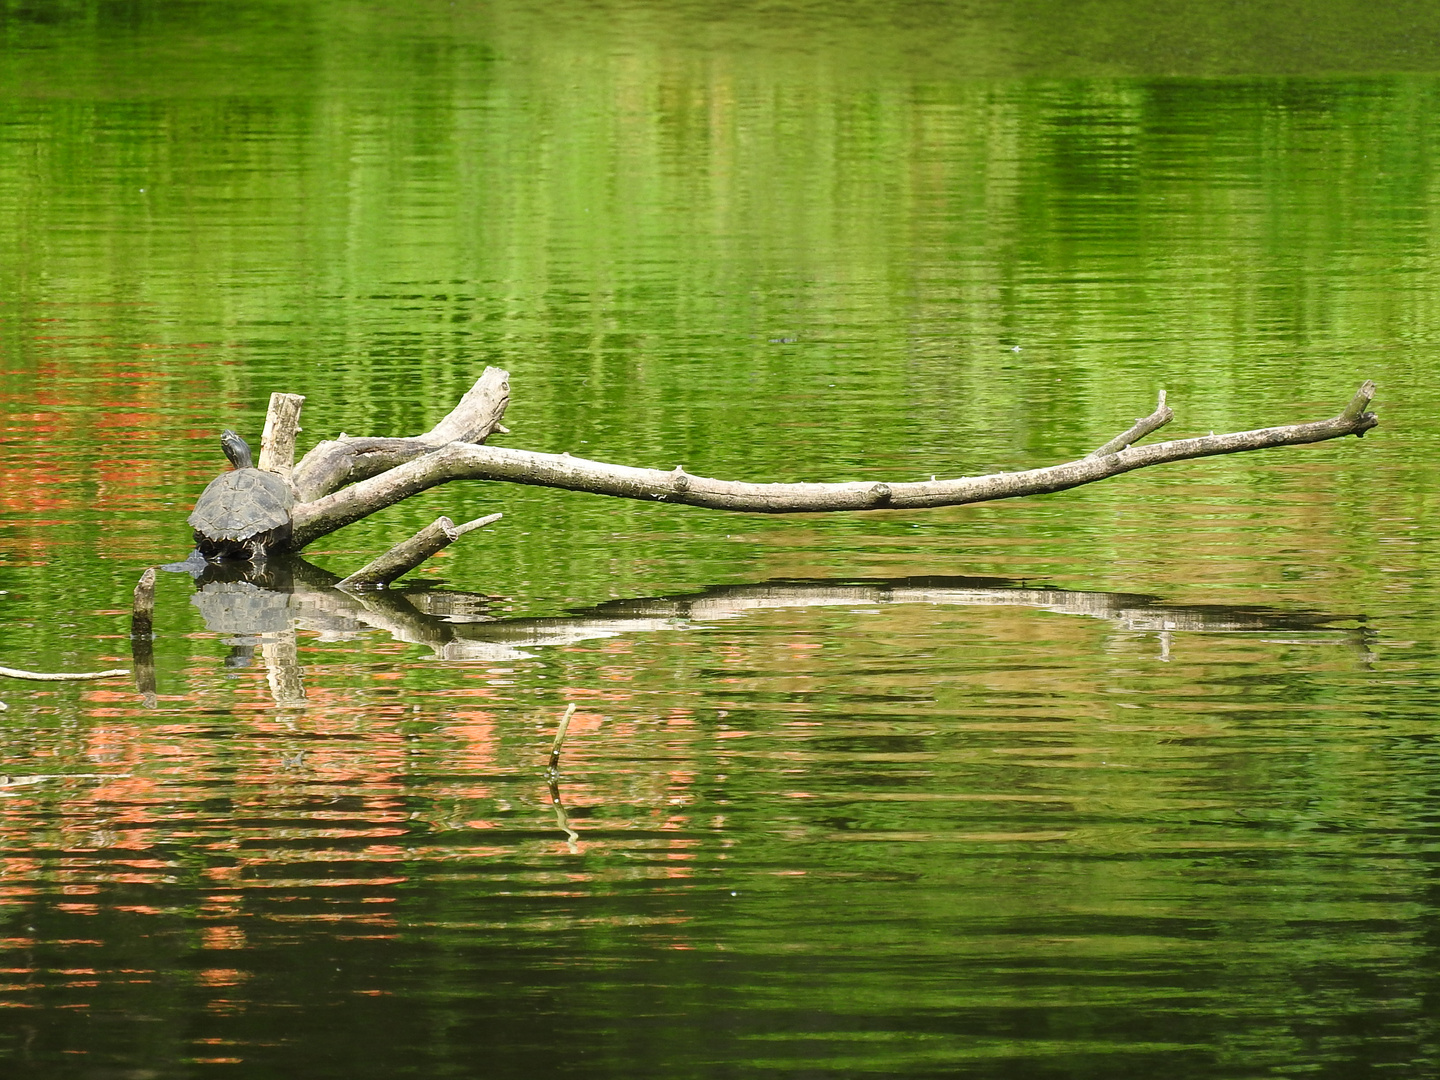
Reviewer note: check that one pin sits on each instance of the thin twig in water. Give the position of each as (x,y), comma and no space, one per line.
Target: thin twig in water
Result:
(560,737)
(7,781)
(61,676)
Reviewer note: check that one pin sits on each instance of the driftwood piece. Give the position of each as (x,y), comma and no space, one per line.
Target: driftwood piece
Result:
(337,462)
(346,479)
(406,556)
(462,461)
(277,442)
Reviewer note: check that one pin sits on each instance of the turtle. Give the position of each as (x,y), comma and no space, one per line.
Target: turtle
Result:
(242,514)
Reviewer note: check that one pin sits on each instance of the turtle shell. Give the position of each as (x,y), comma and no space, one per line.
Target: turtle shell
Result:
(242,513)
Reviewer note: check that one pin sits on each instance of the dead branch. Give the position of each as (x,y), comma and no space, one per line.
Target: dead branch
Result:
(142,635)
(554,765)
(466,461)
(406,556)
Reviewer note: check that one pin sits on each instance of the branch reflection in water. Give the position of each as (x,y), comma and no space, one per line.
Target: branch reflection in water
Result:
(261,606)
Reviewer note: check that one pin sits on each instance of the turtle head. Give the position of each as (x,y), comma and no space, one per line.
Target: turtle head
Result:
(237,450)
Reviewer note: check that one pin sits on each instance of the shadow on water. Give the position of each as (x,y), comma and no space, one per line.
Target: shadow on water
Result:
(259,608)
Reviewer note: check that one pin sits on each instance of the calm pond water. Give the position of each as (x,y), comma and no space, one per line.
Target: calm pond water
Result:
(1139,779)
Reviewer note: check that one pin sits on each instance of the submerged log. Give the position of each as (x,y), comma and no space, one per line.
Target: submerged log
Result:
(344,480)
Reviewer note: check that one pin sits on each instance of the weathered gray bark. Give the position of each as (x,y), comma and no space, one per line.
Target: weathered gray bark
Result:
(462,460)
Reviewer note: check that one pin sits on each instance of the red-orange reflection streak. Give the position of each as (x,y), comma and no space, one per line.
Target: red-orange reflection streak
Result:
(248,821)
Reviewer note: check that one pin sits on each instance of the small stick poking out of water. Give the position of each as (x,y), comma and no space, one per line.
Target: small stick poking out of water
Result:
(554,765)
(142,614)
(142,631)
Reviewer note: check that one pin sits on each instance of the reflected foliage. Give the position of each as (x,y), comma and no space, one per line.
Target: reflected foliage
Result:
(880,834)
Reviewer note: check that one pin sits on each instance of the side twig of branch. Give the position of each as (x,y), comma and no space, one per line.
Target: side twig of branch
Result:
(405,556)
(1137,431)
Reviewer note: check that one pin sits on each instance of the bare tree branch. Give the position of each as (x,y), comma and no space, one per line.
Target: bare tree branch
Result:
(463,461)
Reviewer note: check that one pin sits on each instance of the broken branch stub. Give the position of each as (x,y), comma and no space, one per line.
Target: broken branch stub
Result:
(1137,431)
(277,442)
(142,611)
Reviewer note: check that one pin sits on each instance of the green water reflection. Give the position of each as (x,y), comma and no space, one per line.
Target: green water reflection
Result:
(1130,779)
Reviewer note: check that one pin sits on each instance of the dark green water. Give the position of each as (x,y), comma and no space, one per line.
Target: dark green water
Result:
(1140,779)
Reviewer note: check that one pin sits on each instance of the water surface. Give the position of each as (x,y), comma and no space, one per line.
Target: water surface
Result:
(1128,779)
